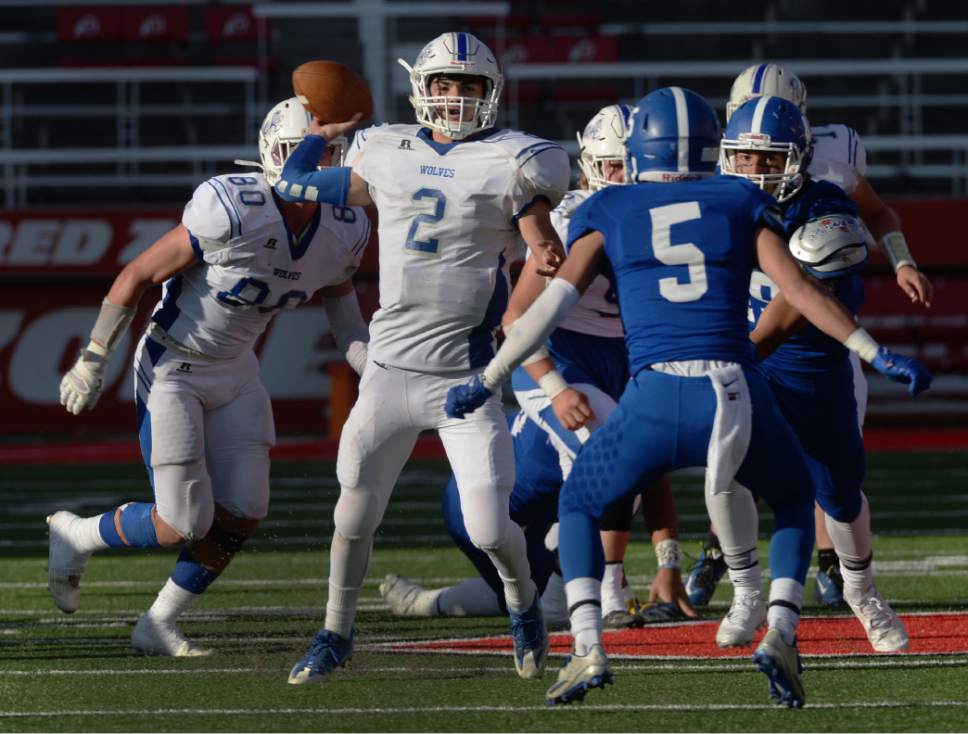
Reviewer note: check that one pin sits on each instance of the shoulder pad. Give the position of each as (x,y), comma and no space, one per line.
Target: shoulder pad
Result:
(830,246)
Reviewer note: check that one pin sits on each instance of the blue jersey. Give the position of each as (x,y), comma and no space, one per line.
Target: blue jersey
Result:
(809,351)
(680,256)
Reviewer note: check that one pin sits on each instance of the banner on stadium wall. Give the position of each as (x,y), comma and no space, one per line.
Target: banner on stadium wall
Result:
(59,243)
(41,331)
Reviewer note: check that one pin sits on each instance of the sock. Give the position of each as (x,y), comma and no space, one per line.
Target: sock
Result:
(858,578)
(87,534)
(511,561)
(136,525)
(783,612)
(853,543)
(746,577)
(348,562)
(469,598)
(584,607)
(827,559)
(612,596)
(171,602)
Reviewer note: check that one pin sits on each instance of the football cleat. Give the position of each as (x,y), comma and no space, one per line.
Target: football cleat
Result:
(530,641)
(407,599)
(746,614)
(326,652)
(780,663)
(155,637)
(554,603)
(619,619)
(705,575)
(663,611)
(884,628)
(579,675)
(65,563)
(828,588)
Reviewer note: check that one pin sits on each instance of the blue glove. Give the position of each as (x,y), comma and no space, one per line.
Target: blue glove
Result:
(903,369)
(464,399)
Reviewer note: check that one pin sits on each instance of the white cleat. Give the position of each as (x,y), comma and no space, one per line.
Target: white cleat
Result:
(407,599)
(65,563)
(154,637)
(884,628)
(746,614)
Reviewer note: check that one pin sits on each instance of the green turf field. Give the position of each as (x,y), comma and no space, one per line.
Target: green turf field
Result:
(76,673)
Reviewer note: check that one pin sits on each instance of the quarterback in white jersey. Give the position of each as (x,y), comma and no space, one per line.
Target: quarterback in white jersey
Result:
(455,197)
(239,256)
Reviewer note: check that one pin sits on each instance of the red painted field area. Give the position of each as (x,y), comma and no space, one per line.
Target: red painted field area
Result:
(931,634)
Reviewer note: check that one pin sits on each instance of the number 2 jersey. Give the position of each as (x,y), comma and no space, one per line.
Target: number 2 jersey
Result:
(251,265)
(680,256)
(448,232)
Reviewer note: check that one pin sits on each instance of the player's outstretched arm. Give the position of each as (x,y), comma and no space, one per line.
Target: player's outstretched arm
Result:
(531,330)
(346,322)
(828,314)
(302,180)
(81,386)
(885,225)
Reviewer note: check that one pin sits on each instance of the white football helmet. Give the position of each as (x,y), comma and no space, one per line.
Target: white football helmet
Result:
(766,79)
(455,54)
(282,130)
(603,140)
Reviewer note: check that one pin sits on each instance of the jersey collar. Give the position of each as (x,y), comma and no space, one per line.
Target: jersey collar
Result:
(298,244)
(426,134)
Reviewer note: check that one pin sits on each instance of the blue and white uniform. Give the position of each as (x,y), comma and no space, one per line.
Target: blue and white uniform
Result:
(681,257)
(533,504)
(204,418)
(588,349)
(811,374)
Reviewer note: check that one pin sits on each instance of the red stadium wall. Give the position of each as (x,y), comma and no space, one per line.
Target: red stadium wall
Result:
(56,266)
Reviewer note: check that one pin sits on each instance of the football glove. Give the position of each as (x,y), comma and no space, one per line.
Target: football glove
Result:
(906,370)
(81,387)
(464,399)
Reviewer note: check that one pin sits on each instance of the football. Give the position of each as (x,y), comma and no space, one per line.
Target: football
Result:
(331,91)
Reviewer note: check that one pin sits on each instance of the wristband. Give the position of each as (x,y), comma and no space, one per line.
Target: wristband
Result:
(667,554)
(895,247)
(111,323)
(863,343)
(552,384)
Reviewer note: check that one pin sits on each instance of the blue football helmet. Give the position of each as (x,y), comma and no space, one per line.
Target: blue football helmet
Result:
(673,136)
(769,125)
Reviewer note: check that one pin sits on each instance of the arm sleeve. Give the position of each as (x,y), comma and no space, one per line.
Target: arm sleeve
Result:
(531,330)
(302,181)
(349,329)
(211,219)
(544,172)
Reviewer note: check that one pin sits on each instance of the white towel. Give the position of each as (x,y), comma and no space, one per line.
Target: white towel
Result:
(732,426)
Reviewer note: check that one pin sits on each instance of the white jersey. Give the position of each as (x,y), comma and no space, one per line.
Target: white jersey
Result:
(596,313)
(251,265)
(838,156)
(447,217)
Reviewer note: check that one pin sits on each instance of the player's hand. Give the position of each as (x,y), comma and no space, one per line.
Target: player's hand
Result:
(667,587)
(81,387)
(572,409)
(547,258)
(330,130)
(906,370)
(464,399)
(915,285)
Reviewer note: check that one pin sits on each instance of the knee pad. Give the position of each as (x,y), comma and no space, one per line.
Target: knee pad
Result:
(183,495)
(485,516)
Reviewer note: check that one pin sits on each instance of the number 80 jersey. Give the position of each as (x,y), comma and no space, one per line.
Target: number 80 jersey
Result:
(448,233)
(251,265)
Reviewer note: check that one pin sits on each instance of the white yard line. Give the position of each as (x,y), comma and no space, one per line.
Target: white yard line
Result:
(384,710)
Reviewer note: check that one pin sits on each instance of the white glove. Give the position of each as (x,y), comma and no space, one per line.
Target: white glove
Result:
(81,387)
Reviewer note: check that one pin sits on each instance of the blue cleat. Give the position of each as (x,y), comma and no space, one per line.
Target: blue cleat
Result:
(705,575)
(828,588)
(325,653)
(780,663)
(530,641)
(579,675)
(663,611)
